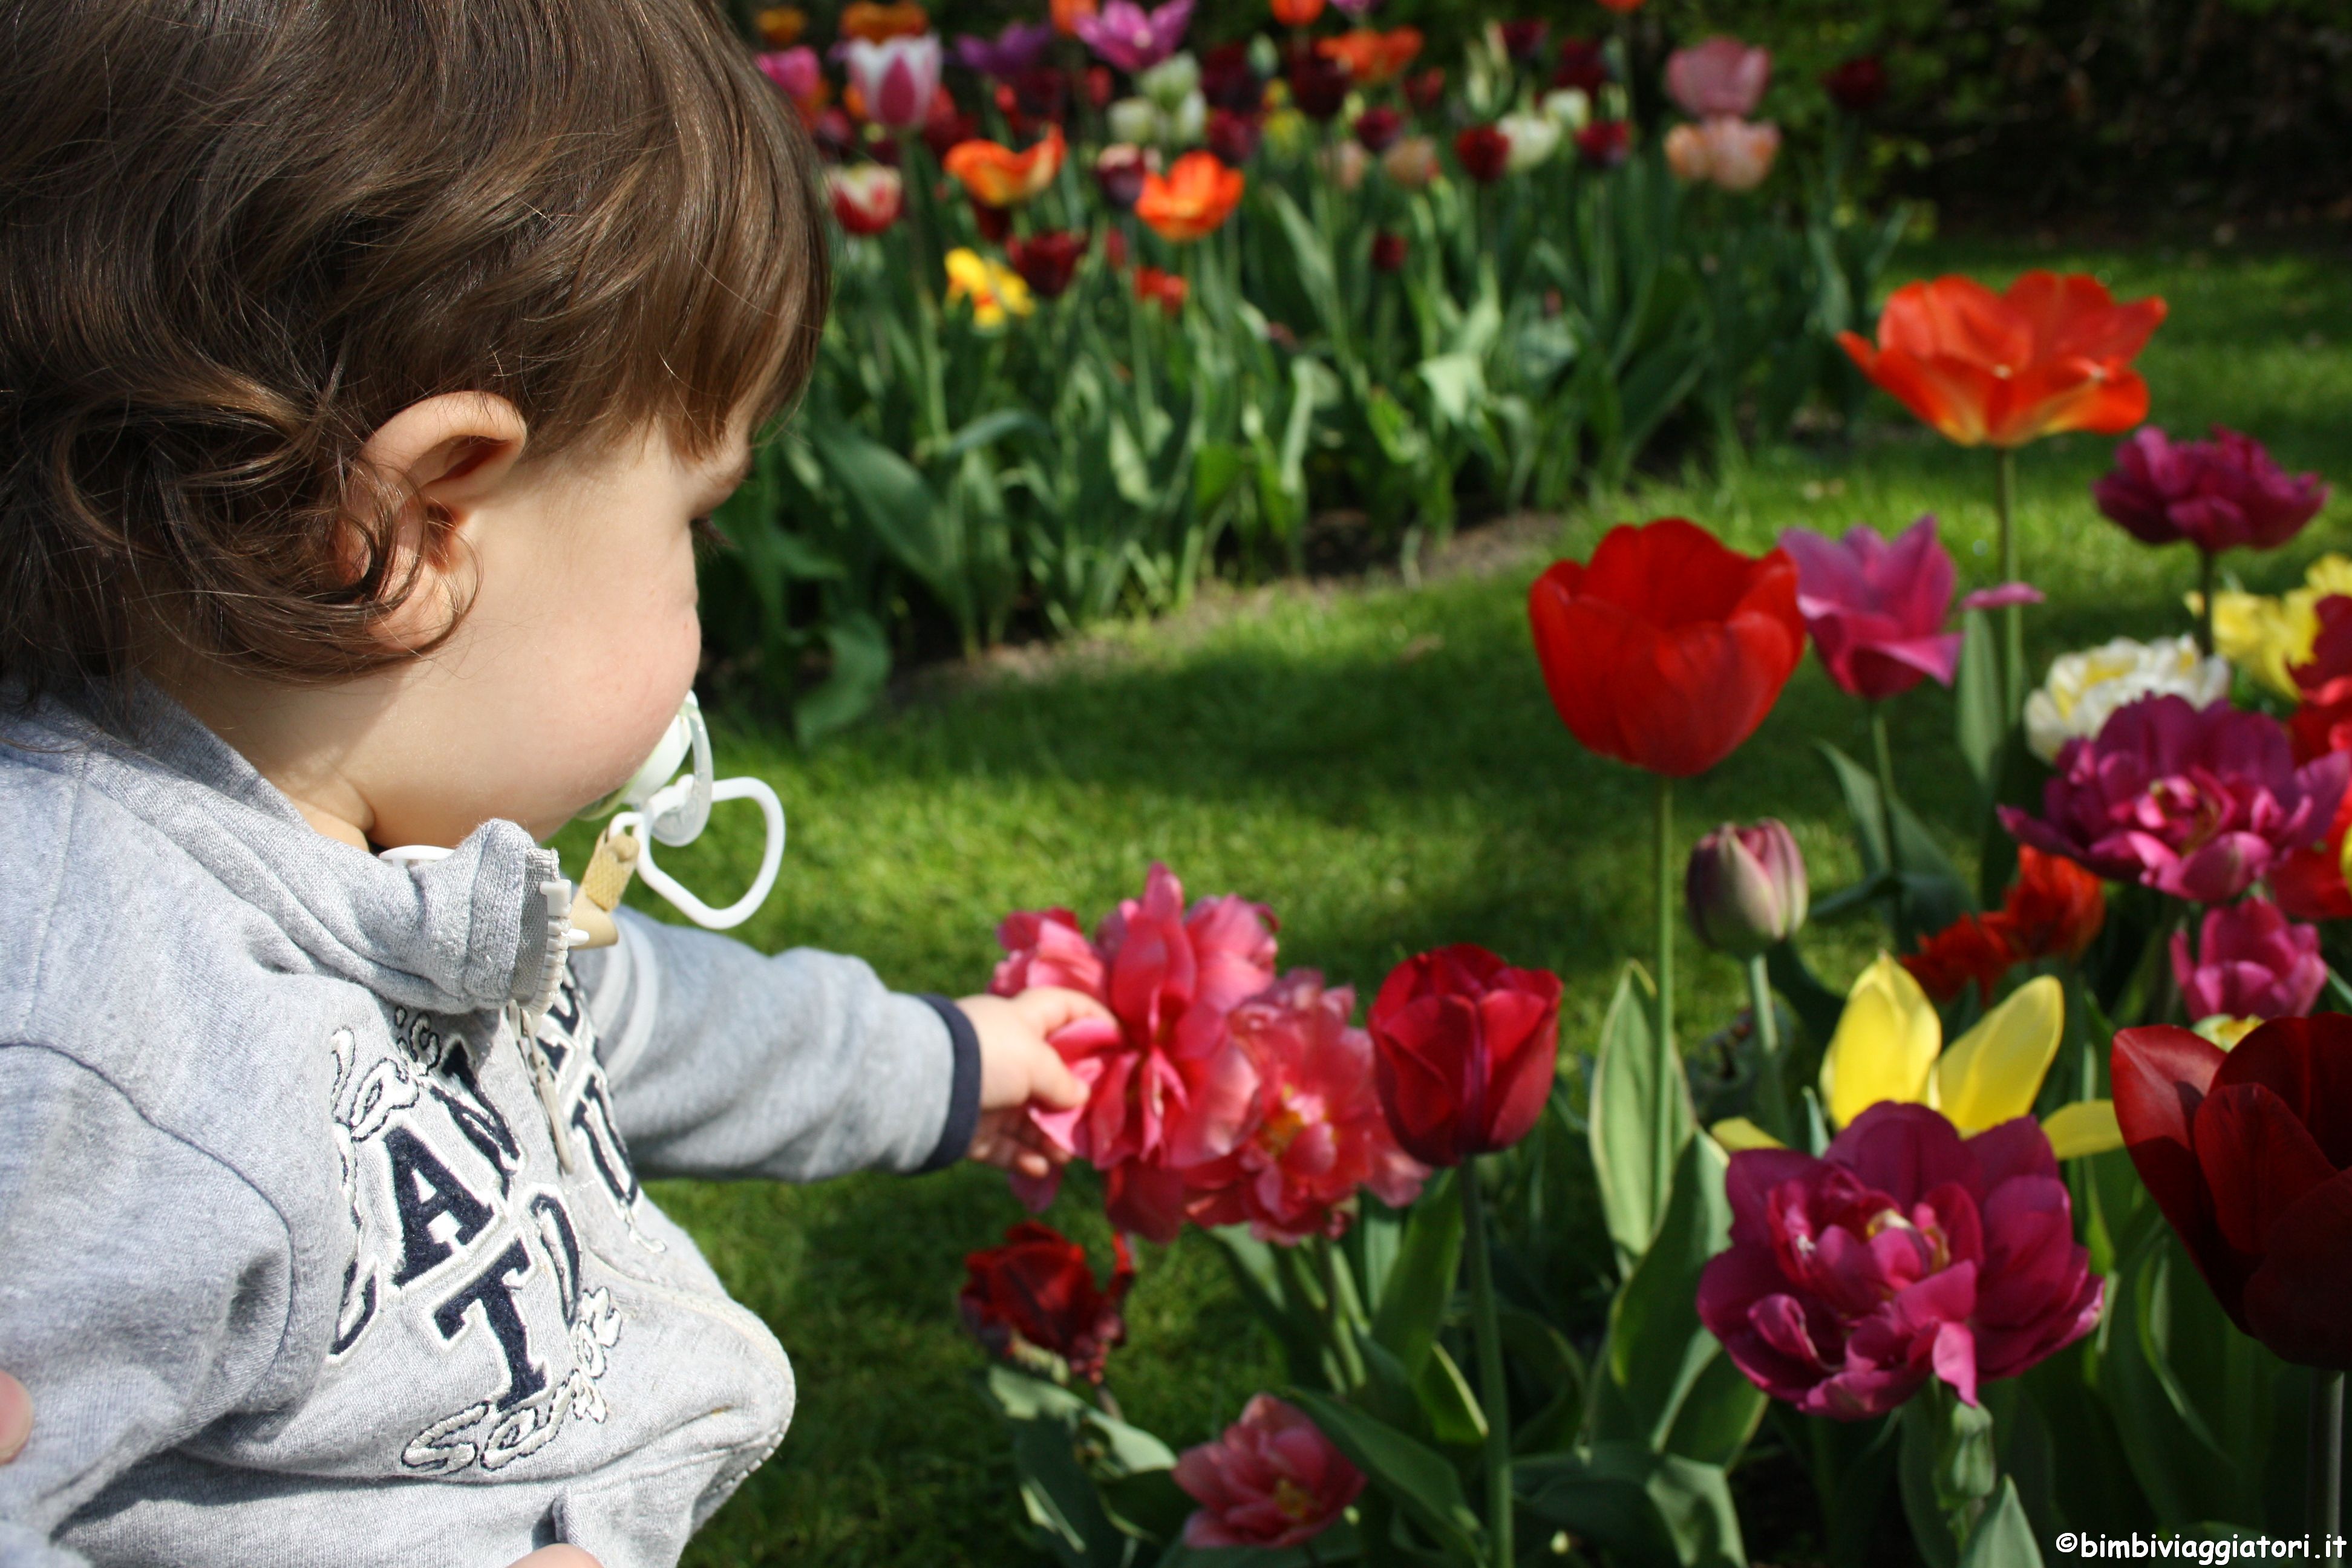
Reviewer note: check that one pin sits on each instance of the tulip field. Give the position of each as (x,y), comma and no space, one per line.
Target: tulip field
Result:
(1987,1188)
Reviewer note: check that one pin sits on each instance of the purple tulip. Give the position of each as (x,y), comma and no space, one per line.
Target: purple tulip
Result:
(1133,39)
(1877,607)
(2217,494)
(1903,1254)
(2198,802)
(2252,962)
(1746,887)
(1010,54)
(1358,9)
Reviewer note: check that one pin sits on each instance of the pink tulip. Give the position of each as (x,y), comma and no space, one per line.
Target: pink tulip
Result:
(1733,154)
(796,72)
(1903,1254)
(2252,962)
(1272,1481)
(1169,1090)
(1876,608)
(1319,1131)
(1718,76)
(2198,802)
(898,78)
(1125,34)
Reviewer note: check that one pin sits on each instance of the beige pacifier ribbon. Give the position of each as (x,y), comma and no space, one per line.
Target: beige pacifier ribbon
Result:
(602,885)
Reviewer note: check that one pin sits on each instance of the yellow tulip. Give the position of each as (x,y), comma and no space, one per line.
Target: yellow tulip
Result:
(2224,1030)
(1889,1045)
(2266,635)
(993,288)
(1734,1133)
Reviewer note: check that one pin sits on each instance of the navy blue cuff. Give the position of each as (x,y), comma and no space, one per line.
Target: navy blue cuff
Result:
(963,1089)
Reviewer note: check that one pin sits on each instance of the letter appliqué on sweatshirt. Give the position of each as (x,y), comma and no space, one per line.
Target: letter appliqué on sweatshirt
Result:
(466,1231)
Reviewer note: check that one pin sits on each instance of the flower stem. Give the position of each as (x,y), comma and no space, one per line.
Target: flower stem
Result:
(1662,1142)
(2012,649)
(2324,1495)
(1492,1390)
(1886,758)
(1771,1094)
(2205,564)
(1337,1321)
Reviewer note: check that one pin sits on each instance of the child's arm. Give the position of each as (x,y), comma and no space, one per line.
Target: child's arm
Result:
(724,1061)
(145,1290)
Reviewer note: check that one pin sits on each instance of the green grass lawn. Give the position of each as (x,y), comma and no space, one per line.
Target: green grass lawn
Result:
(1381,767)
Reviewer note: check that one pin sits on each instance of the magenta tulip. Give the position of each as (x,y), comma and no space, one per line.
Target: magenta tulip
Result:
(1127,36)
(1273,1480)
(2252,962)
(2198,802)
(1903,1254)
(1876,608)
(2217,495)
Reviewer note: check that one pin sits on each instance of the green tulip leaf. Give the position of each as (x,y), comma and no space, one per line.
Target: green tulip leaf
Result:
(1656,1351)
(1418,1479)
(1419,1285)
(1981,713)
(2002,1537)
(1638,1506)
(1934,895)
(1638,1088)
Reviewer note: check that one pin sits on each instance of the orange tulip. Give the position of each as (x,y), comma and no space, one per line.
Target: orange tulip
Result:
(1190,200)
(999,177)
(781,26)
(878,24)
(1066,13)
(2052,354)
(1373,57)
(1298,12)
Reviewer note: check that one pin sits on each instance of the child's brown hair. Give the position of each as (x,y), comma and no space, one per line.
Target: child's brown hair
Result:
(236,236)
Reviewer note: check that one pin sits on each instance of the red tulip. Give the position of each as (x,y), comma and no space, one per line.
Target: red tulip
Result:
(1465,1047)
(1858,85)
(2247,1154)
(1583,65)
(1668,649)
(1604,144)
(866,198)
(1424,89)
(2053,910)
(1047,260)
(1485,153)
(1388,251)
(2052,354)
(1379,128)
(1037,1290)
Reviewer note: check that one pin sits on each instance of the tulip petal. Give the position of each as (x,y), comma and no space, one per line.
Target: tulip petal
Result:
(2307,1062)
(1885,1044)
(2084,1128)
(2161,1075)
(2009,1150)
(1995,1070)
(1736,1134)
(2257,1159)
(1906,1151)
(1955,1360)
(2296,1298)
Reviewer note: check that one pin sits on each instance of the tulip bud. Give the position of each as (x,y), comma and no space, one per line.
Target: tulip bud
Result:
(1746,887)
(1169,82)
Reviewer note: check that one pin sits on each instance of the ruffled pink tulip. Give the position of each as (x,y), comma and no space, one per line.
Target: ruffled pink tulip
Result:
(896,79)
(1876,608)
(2252,962)
(1319,1131)
(1904,1253)
(2198,802)
(1272,1481)
(1720,76)
(1170,1088)
(1733,154)
(2217,495)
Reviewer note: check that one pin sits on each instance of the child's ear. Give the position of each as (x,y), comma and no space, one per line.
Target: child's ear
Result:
(417,482)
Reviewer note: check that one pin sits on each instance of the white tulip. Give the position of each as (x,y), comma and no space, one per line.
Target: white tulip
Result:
(2085,689)
(1571,108)
(1136,120)
(1168,83)
(1533,138)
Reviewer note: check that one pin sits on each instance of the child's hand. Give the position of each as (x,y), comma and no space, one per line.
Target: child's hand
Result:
(558,1557)
(1018,1069)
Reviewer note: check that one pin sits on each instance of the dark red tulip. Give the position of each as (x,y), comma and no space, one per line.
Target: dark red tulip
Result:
(1119,170)
(1604,144)
(1037,1290)
(1318,84)
(1100,88)
(1424,89)
(1378,129)
(1464,1049)
(1669,648)
(1583,65)
(1388,251)
(993,223)
(1046,261)
(2249,1154)
(946,125)
(1234,136)
(1523,40)
(1228,82)
(1485,153)
(1858,85)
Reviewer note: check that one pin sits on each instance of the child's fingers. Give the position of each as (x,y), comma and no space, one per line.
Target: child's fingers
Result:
(1051,1082)
(1050,1007)
(15,1417)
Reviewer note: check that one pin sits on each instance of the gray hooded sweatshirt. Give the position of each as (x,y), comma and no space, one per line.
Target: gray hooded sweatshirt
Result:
(321,1231)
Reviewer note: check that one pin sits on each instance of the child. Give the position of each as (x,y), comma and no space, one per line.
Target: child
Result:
(364,366)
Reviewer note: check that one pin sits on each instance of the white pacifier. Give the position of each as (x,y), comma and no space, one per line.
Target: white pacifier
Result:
(669,807)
